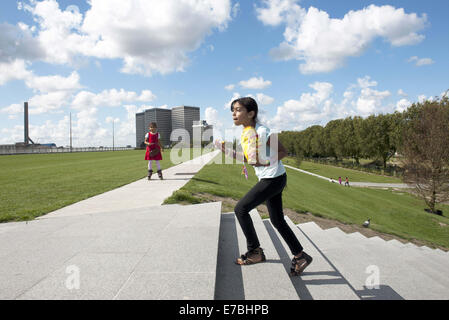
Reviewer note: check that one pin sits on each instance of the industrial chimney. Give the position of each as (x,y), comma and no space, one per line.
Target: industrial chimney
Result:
(26,131)
(26,123)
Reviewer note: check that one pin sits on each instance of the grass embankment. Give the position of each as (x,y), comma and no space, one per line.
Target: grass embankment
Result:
(35,184)
(399,214)
(335,172)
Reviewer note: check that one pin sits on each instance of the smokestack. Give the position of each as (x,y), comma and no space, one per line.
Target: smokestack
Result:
(26,124)
(27,138)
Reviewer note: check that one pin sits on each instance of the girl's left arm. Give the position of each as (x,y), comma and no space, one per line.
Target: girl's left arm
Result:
(160,145)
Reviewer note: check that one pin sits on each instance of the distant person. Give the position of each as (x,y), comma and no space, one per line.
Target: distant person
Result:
(339,180)
(154,150)
(346,182)
(272,181)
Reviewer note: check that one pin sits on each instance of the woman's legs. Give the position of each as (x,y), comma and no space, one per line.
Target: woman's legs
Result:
(262,191)
(274,206)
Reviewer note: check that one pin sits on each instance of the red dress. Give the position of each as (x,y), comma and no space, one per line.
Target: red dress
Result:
(153,138)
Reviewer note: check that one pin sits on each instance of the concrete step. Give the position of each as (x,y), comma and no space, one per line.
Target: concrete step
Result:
(164,252)
(432,257)
(396,243)
(267,280)
(356,235)
(362,261)
(423,260)
(320,281)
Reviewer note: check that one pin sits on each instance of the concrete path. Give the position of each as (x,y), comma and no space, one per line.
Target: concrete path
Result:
(355,184)
(137,194)
(118,245)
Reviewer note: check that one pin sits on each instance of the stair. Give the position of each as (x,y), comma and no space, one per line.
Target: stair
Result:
(164,252)
(401,277)
(263,281)
(320,281)
(188,252)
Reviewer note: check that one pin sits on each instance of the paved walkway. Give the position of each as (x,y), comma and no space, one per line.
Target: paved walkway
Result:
(137,194)
(356,184)
(116,245)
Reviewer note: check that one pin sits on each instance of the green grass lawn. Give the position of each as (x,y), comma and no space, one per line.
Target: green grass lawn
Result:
(335,172)
(35,184)
(391,212)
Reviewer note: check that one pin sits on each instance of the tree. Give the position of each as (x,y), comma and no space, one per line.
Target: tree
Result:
(426,150)
(377,137)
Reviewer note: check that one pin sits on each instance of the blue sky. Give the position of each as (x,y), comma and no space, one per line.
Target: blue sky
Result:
(305,62)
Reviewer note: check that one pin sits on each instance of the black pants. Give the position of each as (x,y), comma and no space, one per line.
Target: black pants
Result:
(269,190)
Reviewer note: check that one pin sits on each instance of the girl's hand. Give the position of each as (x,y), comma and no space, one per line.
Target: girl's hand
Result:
(219,145)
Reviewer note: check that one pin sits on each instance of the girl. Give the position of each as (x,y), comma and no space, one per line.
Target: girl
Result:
(154,150)
(269,169)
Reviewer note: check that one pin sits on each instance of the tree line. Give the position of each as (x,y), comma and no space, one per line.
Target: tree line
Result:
(419,134)
(375,137)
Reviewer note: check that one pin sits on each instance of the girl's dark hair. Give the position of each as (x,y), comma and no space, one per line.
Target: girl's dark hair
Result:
(153,124)
(248,103)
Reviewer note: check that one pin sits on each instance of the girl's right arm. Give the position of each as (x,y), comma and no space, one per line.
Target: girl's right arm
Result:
(229,152)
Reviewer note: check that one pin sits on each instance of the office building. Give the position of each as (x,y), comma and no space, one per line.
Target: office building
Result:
(167,121)
(182,118)
(162,117)
(202,132)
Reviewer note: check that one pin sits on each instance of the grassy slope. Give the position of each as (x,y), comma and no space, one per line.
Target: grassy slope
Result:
(335,172)
(396,213)
(32,185)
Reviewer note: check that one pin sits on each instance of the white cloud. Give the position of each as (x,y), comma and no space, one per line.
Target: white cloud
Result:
(255,83)
(319,106)
(13,70)
(109,98)
(235,10)
(311,107)
(324,43)
(263,99)
(54,83)
(235,95)
(48,102)
(17,43)
(230,87)
(276,12)
(370,101)
(402,93)
(402,105)
(112,119)
(422,98)
(366,83)
(147,35)
(13,109)
(211,116)
(421,62)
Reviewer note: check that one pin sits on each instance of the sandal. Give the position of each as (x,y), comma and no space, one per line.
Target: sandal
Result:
(251,257)
(300,263)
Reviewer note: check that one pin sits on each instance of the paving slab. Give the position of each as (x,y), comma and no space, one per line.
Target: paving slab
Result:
(321,280)
(185,253)
(108,241)
(360,262)
(137,194)
(267,280)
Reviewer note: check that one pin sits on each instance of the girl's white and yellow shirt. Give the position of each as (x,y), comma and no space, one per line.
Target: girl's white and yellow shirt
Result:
(254,145)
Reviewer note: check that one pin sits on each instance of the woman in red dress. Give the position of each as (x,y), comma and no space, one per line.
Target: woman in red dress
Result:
(154,150)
